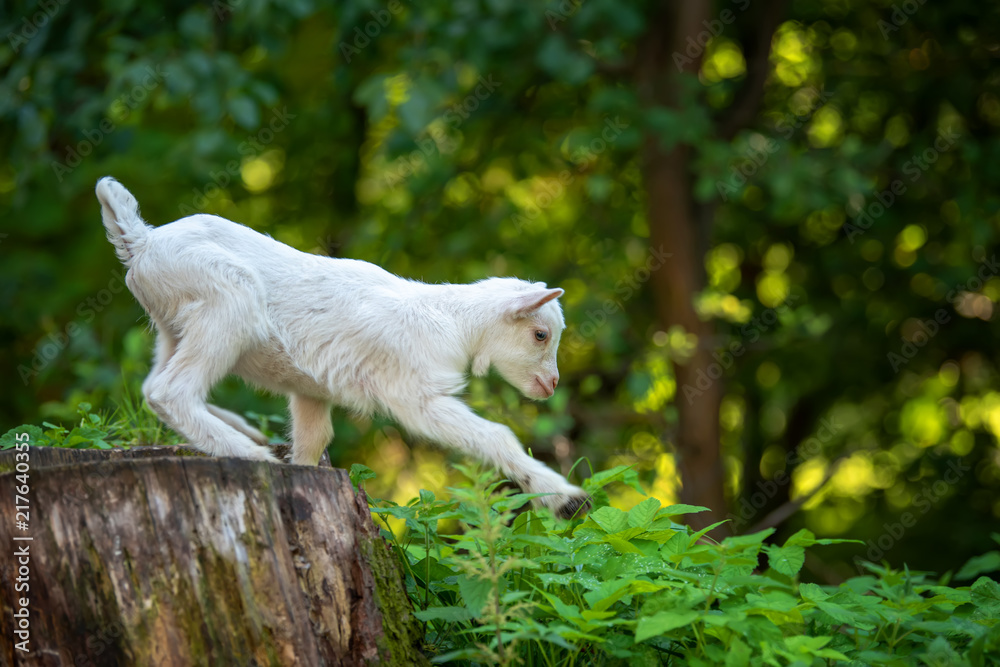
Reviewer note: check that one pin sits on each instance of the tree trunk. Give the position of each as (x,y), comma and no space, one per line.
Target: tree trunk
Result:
(673,226)
(667,51)
(145,557)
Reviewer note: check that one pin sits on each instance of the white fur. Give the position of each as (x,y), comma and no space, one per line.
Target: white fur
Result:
(226,299)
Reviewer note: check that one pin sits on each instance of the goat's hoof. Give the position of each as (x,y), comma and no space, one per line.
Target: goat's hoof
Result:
(574,507)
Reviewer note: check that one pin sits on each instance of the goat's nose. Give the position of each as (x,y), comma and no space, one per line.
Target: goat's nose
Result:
(555,381)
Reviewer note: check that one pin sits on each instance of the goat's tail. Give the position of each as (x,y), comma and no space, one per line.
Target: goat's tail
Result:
(127,231)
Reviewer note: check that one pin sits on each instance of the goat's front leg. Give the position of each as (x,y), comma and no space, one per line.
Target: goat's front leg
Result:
(447,420)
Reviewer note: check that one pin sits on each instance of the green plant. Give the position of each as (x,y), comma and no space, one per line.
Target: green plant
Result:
(135,424)
(92,432)
(266,424)
(635,587)
(130,423)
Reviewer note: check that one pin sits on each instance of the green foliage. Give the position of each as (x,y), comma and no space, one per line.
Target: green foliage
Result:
(128,425)
(635,587)
(91,433)
(496,583)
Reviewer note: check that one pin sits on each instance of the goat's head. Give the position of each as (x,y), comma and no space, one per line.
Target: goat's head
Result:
(523,346)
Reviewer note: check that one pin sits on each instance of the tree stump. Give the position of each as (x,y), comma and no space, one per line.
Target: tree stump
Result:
(145,557)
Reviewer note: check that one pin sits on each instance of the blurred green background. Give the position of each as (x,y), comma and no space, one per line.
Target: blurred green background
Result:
(775,223)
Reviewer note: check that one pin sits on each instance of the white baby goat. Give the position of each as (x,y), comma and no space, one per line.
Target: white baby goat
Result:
(226,299)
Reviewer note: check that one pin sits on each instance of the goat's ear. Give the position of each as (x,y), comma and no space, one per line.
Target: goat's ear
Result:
(525,304)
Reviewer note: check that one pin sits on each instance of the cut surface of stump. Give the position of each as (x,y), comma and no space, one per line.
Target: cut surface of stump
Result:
(143,557)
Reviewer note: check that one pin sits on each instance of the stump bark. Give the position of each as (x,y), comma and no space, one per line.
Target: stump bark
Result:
(145,557)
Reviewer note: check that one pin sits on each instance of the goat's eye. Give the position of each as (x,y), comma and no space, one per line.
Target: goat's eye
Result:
(541,335)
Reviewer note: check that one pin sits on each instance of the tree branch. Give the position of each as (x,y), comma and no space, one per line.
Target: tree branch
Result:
(783,512)
(757,52)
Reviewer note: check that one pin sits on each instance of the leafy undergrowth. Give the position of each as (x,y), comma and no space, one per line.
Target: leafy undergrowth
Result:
(637,588)
(129,424)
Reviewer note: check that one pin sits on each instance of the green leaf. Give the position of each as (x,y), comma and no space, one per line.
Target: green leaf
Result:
(360,473)
(802,538)
(642,514)
(475,593)
(977,565)
(449,614)
(707,529)
(621,545)
(610,519)
(678,510)
(836,612)
(787,560)
(548,543)
(676,545)
(35,436)
(748,540)
(438,572)
(607,594)
(986,595)
(813,646)
(662,623)
(622,473)
(812,592)
(569,612)
(738,654)
(472,653)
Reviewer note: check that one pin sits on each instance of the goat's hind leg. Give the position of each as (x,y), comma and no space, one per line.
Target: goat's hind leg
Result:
(206,350)
(239,424)
(165,347)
